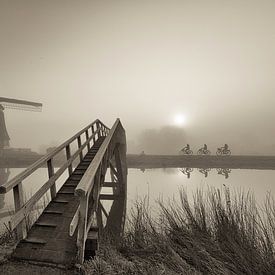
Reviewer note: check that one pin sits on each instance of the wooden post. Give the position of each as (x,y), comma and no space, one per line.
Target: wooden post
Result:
(82,231)
(99,219)
(18,203)
(79,145)
(98,127)
(93,131)
(87,137)
(51,173)
(68,155)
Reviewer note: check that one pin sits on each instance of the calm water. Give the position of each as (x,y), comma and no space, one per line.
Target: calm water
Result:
(162,183)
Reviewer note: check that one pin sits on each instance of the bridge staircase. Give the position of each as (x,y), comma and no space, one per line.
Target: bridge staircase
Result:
(71,223)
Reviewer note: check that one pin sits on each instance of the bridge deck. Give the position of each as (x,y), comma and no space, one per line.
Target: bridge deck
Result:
(48,240)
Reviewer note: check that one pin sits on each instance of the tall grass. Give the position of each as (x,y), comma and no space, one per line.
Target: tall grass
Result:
(214,232)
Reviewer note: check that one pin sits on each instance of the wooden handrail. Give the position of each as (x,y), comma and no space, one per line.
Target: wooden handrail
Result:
(89,188)
(85,185)
(22,209)
(6,187)
(26,208)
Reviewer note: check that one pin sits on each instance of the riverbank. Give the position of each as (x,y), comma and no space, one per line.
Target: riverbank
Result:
(196,161)
(166,161)
(214,232)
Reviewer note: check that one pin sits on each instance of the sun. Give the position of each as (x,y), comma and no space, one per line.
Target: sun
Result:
(180,119)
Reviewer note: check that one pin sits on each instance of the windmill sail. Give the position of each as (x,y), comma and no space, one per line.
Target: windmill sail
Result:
(25,105)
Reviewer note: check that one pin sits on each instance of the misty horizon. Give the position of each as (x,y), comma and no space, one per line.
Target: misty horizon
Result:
(144,62)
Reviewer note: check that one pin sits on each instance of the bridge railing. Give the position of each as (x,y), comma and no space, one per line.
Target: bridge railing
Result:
(88,189)
(22,209)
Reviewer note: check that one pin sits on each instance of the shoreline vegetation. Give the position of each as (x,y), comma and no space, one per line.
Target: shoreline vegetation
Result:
(217,231)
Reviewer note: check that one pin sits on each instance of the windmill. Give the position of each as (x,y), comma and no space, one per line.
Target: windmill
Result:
(10,103)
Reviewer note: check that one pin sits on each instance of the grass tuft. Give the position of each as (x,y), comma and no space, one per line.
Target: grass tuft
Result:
(216,232)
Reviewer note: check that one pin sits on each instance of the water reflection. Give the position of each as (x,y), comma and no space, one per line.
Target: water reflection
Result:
(204,171)
(4,176)
(186,171)
(224,172)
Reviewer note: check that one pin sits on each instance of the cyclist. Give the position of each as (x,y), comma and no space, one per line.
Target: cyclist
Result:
(205,147)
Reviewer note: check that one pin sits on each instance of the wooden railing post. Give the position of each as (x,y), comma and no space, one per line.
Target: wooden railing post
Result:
(87,137)
(98,127)
(79,145)
(21,230)
(68,156)
(51,173)
(82,224)
(93,131)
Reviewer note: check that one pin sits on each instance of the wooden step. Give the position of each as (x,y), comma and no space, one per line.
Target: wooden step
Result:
(66,192)
(45,224)
(34,240)
(59,201)
(70,184)
(92,235)
(53,212)
(78,172)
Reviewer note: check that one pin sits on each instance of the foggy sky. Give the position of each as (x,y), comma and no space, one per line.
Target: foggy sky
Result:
(142,61)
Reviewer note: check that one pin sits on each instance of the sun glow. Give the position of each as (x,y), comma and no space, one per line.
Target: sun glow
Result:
(179,120)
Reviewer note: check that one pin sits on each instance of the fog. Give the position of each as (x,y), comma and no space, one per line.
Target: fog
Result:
(212,61)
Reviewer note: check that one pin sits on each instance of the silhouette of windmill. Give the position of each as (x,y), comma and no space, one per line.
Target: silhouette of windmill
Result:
(10,103)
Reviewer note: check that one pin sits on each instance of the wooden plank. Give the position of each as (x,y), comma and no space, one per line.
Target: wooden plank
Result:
(60,201)
(68,156)
(21,230)
(45,224)
(82,223)
(79,146)
(51,173)
(87,137)
(114,172)
(108,197)
(52,212)
(110,184)
(98,128)
(103,210)
(92,235)
(74,222)
(34,240)
(93,132)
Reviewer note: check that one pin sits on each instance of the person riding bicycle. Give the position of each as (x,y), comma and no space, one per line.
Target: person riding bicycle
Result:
(186,148)
(204,147)
(225,146)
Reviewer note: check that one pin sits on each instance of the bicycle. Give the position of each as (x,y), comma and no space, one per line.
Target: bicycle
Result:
(186,151)
(222,151)
(203,151)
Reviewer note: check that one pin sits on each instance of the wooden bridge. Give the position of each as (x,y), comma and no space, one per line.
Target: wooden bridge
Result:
(71,223)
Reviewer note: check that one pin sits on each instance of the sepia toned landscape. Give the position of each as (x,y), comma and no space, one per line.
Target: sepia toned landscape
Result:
(137,137)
